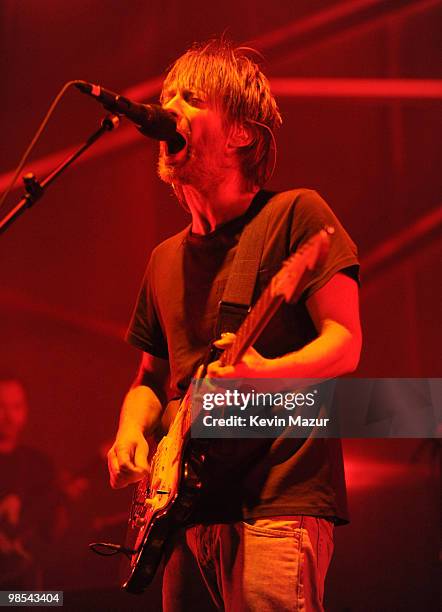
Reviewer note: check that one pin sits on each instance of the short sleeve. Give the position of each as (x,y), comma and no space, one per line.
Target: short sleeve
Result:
(311,214)
(145,330)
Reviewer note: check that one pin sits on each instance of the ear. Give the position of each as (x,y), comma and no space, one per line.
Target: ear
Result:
(240,135)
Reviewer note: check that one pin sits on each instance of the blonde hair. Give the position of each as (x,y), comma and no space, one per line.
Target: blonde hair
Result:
(235,84)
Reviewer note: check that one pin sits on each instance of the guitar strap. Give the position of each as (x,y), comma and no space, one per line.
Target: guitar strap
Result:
(238,292)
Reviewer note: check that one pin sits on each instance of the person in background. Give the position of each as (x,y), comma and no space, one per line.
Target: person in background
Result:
(29,495)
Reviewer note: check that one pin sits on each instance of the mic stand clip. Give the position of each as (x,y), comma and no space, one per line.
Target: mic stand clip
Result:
(35,190)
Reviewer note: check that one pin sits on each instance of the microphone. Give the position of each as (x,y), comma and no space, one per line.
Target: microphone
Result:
(151,119)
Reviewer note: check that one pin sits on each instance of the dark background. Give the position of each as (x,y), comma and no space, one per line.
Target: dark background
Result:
(70,268)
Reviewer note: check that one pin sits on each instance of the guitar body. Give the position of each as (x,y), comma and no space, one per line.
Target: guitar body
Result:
(162,501)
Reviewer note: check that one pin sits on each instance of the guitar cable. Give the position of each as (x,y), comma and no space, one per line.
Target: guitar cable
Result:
(108,549)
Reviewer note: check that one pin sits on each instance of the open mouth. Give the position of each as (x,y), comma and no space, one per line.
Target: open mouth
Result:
(176,144)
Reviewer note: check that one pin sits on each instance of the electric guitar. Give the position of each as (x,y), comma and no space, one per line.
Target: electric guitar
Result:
(166,497)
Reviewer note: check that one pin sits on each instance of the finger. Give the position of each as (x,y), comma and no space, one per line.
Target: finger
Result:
(124,457)
(141,458)
(215,370)
(121,478)
(119,481)
(212,369)
(112,462)
(114,470)
(227,339)
(199,372)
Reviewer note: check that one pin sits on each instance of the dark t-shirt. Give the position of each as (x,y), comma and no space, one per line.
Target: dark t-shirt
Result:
(175,319)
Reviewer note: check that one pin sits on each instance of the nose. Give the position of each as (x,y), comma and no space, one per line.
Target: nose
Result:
(173,105)
(173,112)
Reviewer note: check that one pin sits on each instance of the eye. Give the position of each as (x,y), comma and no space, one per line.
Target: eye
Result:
(193,99)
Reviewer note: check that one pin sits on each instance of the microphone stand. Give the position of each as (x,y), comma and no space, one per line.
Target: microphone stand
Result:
(35,190)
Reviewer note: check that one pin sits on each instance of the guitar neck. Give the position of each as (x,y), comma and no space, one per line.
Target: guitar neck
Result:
(294,270)
(253,325)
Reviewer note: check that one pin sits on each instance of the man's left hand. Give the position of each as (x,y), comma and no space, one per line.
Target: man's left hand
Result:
(252,364)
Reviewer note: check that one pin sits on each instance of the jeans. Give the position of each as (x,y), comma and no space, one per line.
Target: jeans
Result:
(275,564)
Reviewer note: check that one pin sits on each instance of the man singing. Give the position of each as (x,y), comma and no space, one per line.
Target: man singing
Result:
(261,537)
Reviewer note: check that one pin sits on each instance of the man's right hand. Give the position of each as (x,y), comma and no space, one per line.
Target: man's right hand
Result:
(141,413)
(127,458)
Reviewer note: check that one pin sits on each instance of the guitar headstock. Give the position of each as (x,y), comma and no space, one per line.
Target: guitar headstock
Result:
(297,269)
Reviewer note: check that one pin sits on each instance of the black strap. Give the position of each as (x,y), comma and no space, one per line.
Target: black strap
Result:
(238,293)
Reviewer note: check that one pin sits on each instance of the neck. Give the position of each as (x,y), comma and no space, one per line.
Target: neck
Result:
(214,206)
